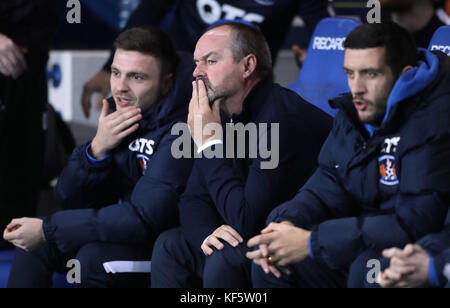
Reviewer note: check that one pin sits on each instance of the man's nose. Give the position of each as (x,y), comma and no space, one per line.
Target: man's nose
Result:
(357,86)
(122,85)
(199,71)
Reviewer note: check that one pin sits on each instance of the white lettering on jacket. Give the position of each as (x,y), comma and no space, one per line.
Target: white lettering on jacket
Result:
(211,11)
(142,145)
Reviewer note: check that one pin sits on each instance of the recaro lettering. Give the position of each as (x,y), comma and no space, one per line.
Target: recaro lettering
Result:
(328,43)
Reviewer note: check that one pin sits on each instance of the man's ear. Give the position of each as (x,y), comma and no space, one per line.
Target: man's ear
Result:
(166,85)
(250,63)
(406,68)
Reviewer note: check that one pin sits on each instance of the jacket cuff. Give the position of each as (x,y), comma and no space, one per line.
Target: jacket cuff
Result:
(432,277)
(209,144)
(311,253)
(95,162)
(438,269)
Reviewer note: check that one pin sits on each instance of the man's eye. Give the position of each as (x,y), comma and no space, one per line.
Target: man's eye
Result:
(115,73)
(210,62)
(138,77)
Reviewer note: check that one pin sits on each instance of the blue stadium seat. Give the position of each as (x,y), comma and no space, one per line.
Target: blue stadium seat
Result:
(321,77)
(6,256)
(441,40)
(5,265)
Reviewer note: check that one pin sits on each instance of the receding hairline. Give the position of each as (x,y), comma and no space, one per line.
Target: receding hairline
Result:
(229,34)
(221,28)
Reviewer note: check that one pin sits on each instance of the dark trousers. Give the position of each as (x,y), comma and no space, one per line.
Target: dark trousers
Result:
(306,274)
(176,264)
(22,102)
(365,268)
(35,269)
(315,274)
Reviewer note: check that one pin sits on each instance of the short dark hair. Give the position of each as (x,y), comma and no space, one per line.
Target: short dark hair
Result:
(247,39)
(150,41)
(400,48)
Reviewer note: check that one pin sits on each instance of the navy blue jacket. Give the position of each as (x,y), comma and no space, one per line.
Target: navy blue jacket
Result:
(237,191)
(442,268)
(380,188)
(132,196)
(189,18)
(438,247)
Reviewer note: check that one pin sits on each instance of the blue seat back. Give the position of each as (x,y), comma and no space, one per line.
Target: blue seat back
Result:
(6,257)
(322,77)
(441,40)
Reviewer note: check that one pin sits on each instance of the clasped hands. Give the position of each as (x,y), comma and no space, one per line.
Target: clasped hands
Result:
(279,245)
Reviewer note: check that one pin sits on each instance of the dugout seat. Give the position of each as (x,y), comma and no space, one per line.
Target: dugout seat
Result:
(322,77)
(441,40)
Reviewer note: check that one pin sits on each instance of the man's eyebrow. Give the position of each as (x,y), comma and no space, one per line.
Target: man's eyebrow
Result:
(130,73)
(207,55)
(364,70)
(144,75)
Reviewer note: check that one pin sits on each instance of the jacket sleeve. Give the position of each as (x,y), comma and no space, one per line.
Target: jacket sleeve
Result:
(442,267)
(156,195)
(198,217)
(435,243)
(83,185)
(152,209)
(29,23)
(321,198)
(312,11)
(147,13)
(420,209)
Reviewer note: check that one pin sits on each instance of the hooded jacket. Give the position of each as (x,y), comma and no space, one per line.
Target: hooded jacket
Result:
(377,188)
(131,196)
(441,266)
(438,247)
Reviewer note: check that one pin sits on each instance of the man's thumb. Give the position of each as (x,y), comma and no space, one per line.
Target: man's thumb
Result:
(105,108)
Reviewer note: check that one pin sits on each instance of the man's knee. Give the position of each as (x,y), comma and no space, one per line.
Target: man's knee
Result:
(228,257)
(166,245)
(227,267)
(91,270)
(364,270)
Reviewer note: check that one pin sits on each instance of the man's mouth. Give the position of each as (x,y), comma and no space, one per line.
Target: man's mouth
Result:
(124,101)
(360,104)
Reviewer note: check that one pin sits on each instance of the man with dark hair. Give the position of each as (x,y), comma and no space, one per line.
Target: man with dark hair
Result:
(120,190)
(149,40)
(393,41)
(383,172)
(230,191)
